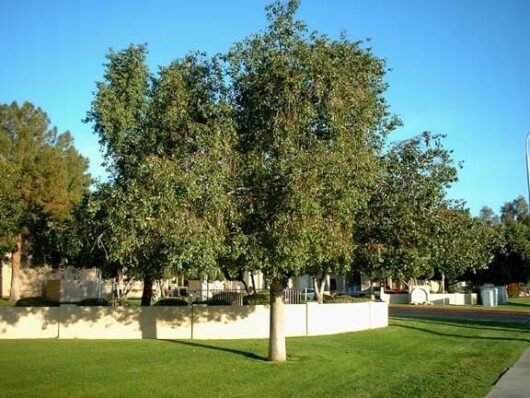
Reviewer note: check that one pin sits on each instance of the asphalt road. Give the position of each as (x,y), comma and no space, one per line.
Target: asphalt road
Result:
(461,314)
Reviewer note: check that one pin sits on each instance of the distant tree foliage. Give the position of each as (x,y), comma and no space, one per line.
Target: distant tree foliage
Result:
(410,229)
(512,260)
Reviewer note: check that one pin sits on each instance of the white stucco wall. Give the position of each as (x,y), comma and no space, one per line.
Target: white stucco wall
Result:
(29,323)
(197,322)
(435,298)
(125,322)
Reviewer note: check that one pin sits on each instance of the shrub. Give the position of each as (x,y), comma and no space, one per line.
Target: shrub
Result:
(226,298)
(257,299)
(94,302)
(344,299)
(4,303)
(513,290)
(36,302)
(171,302)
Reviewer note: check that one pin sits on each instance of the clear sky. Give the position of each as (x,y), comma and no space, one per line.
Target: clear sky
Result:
(459,67)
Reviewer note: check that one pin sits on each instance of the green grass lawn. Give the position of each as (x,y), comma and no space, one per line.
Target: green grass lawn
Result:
(521,303)
(4,303)
(513,304)
(410,358)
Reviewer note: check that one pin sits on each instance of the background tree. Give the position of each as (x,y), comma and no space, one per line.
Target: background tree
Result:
(310,120)
(461,243)
(511,258)
(168,140)
(488,216)
(410,230)
(515,211)
(48,176)
(10,208)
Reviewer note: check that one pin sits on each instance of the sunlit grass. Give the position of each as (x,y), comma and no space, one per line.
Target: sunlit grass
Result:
(410,358)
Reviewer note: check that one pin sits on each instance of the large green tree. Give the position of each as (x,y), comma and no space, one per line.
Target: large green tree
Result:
(45,175)
(168,141)
(310,120)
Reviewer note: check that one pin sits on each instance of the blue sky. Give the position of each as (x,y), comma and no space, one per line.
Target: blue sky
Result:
(461,68)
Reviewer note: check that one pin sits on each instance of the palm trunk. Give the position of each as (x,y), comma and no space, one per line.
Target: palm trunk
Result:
(277,350)
(147,294)
(15,270)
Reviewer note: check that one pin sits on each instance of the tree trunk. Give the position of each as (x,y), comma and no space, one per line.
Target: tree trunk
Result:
(277,350)
(147,294)
(120,288)
(15,270)
(162,287)
(253,282)
(127,287)
(245,285)
(319,285)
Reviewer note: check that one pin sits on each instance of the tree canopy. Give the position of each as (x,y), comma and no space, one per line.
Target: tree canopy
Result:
(511,261)
(310,120)
(271,157)
(168,142)
(410,229)
(45,178)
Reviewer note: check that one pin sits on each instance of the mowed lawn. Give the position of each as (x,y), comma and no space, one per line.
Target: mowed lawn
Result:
(513,304)
(410,358)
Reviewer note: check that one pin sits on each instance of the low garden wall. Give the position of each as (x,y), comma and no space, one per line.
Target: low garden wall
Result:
(193,322)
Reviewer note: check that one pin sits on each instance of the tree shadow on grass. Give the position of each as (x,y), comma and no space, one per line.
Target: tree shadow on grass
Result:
(487,326)
(246,354)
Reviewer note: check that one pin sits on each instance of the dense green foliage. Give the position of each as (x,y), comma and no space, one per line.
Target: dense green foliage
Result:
(262,298)
(168,144)
(344,299)
(171,302)
(36,302)
(10,207)
(457,360)
(310,118)
(271,157)
(512,260)
(42,179)
(94,302)
(410,229)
